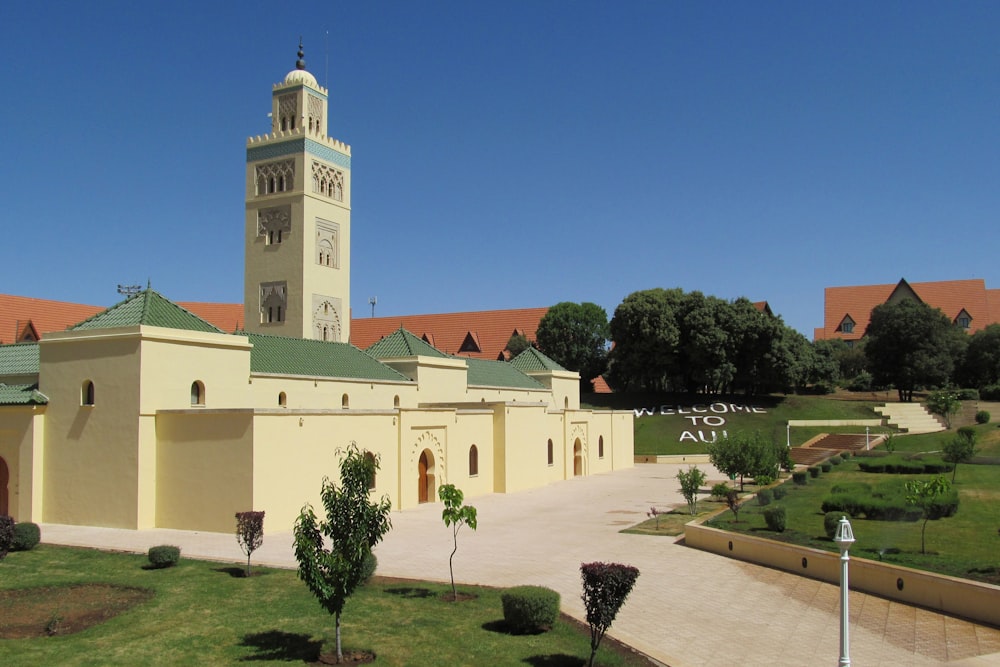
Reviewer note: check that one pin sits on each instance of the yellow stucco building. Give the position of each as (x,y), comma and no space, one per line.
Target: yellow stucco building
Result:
(145,415)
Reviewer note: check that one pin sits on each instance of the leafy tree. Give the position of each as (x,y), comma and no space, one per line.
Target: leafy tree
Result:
(517,344)
(704,339)
(824,367)
(353,526)
(981,366)
(960,449)
(605,588)
(911,345)
(456,515)
(646,336)
(691,481)
(249,533)
(924,494)
(575,335)
(945,404)
(746,455)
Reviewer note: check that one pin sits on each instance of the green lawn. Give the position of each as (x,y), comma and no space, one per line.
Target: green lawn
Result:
(200,613)
(987,440)
(966,545)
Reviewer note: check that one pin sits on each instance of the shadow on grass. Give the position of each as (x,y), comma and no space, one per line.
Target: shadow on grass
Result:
(555,660)
(410,592)
(278,645)
(239,572)
(501,628)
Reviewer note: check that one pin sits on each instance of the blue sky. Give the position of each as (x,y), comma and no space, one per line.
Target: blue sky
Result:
(513,154)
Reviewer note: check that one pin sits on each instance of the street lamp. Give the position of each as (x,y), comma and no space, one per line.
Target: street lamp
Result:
(844,539)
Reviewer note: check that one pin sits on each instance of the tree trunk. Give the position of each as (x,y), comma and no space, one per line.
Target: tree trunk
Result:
(451,570)
(340,653)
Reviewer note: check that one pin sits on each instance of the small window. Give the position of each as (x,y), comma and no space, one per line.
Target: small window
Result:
(282,400)
(964,322)
(473,461)
(600,447)
(87,393)
(847,327)
(345,401)
(370,460)
(197,393)
(550,451)
(395,401)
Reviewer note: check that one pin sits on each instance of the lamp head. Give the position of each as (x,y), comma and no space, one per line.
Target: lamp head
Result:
(845,535)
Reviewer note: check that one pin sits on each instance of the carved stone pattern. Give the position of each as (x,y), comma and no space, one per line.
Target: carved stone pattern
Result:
(274,219)
(328,181)
(326,316)
(276,170)
(273,294)
(428,440)
(316,113)
(286,108)
(327,244)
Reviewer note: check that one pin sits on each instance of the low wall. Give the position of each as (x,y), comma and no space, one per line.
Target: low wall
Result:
(672,458)
(959,597)
(834,422)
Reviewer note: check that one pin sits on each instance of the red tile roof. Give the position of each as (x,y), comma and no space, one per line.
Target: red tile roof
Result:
(489,329)
(225,316)
(45,315)
(951,296)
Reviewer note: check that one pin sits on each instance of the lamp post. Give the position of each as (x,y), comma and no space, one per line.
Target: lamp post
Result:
(844,539)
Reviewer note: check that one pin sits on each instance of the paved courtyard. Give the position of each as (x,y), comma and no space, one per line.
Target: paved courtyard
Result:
(688,607)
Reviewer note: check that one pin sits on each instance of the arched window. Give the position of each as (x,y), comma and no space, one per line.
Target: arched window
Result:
(600,447)
(566,403)
(370,460)
(345,401)
(395,401)
(473,461)
(550,451)
(282,399)
(87,393)
(197,393)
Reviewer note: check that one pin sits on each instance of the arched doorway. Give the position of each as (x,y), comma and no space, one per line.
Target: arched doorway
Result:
(425,477)
(4,479)
(577,458)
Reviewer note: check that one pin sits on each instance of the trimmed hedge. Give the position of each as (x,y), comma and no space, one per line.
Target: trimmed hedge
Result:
(836,460)
(368,566)
(831,520)
(6,534)
(886,502)
(900,466)
(813,471)
(982,417)
(764,497)
(164,556)
(774,517)
(826,466)
(27,535)
(780,491)
(800,477)
(530,609)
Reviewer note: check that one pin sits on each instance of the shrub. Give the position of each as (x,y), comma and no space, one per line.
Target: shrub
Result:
(826,466)
(26,537)
(368,566)
(982,417)
(800,477)
(605,588)
(164,556)
(836,460)
(830,521)
(720,490)
(813,471)
(990,392)
(528,609)
(764,497)
(6,534)
(779,491)
(846,454)
(861,382)
(774,517)
(967,394)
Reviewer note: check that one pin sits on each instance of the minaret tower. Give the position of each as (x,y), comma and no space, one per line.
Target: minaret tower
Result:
(297,275)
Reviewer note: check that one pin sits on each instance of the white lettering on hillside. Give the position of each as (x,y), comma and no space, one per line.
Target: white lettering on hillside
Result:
(701,415)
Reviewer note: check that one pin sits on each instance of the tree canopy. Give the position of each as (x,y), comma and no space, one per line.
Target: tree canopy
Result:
(575,335)
(981,366)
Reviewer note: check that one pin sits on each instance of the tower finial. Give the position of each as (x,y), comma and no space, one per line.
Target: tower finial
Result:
(300,63)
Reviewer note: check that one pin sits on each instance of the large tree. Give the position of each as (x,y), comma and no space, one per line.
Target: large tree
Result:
(352,527)
(911,346)
(644,329)
(982,358)
(575,335)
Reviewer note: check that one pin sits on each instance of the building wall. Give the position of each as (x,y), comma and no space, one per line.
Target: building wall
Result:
(22,432)
(328,393)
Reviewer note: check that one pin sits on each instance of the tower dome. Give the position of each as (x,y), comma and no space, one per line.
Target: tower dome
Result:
(299,74)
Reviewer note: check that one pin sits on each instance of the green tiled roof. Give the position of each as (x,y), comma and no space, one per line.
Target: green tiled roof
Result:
(402,343)
(533,360)
(21,394)
(148,308)
(19,359)
(317,358)
(485,373)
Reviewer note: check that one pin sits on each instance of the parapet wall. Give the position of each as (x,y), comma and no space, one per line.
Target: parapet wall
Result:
(975,601)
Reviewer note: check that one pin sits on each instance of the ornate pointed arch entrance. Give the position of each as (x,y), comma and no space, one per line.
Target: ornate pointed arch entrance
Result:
(577,458)
(425,477)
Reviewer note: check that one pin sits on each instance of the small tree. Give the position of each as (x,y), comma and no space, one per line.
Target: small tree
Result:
(605,587)
(691,481)
(455,515)
(249,533)
(733,502)
(944,404)
(924,493)
(353,526)
(654,513)
(960,449)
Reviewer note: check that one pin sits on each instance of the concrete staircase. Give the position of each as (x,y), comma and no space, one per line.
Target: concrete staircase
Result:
(910,417)
(823,447)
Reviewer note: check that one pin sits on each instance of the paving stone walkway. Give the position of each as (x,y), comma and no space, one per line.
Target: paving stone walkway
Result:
(688,607)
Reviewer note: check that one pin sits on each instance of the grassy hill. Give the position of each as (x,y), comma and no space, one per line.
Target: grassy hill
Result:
(684,424)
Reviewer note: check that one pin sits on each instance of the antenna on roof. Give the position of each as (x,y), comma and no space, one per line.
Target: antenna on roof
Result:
(372,301)
(129,290)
